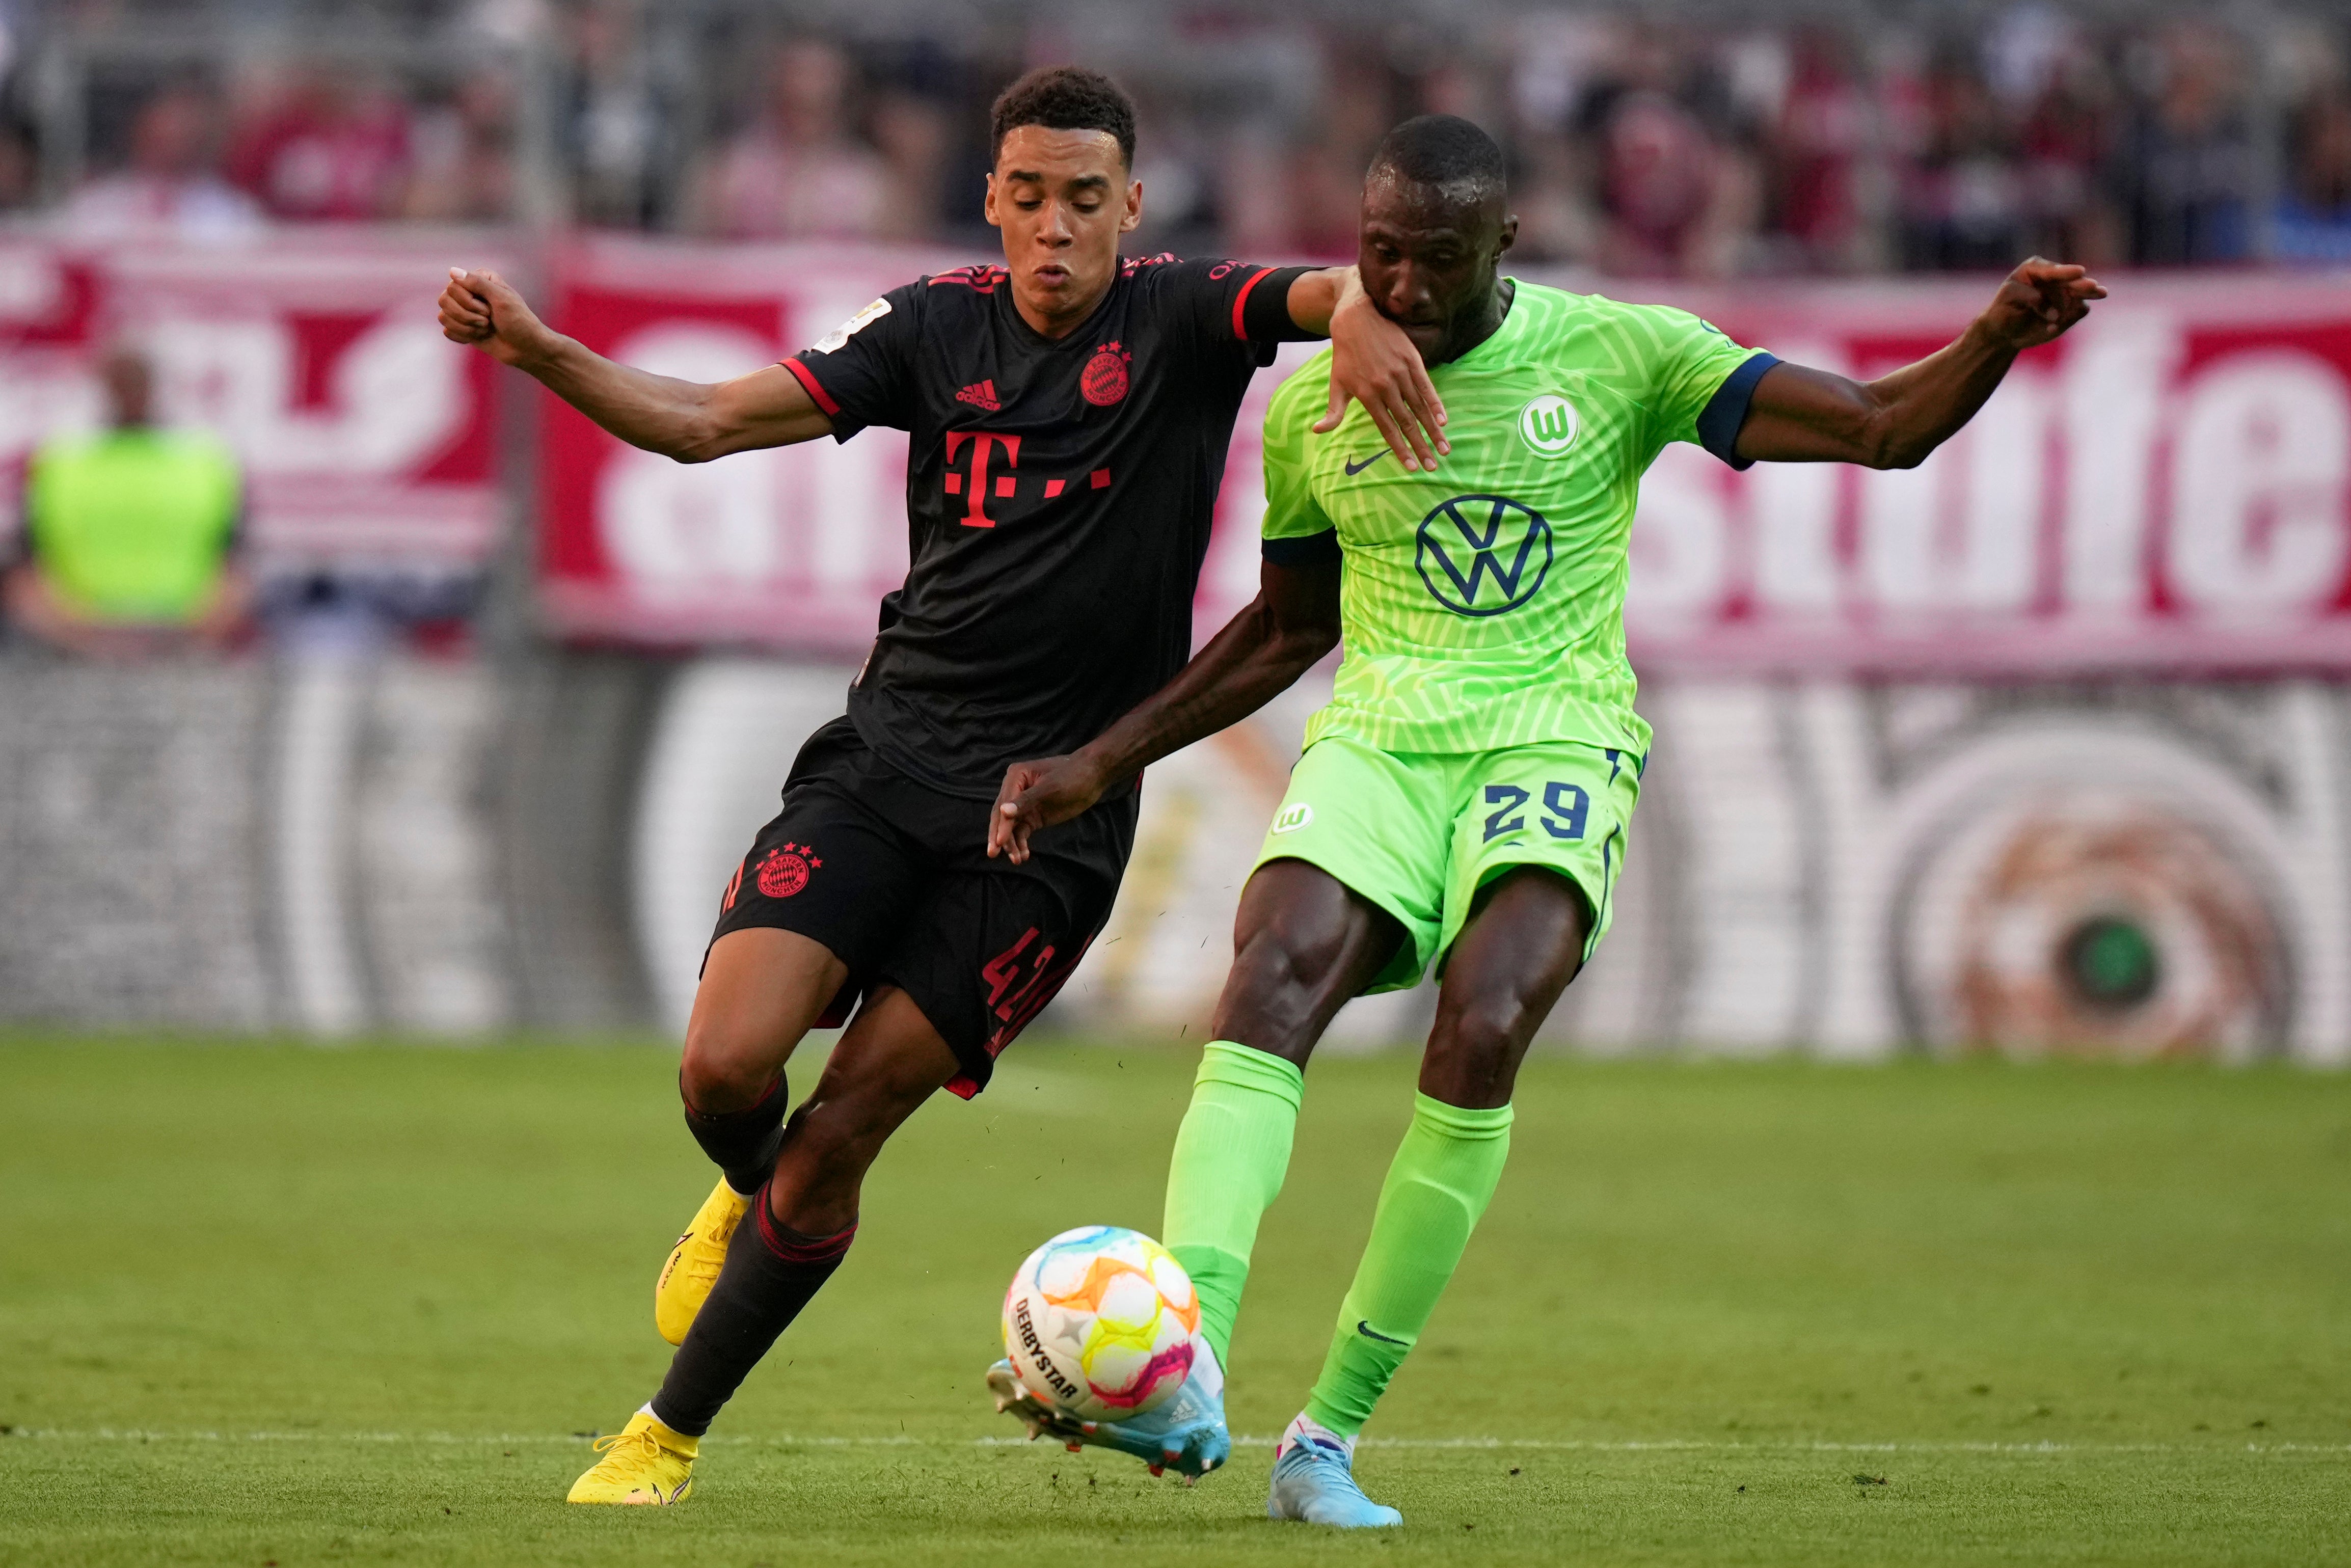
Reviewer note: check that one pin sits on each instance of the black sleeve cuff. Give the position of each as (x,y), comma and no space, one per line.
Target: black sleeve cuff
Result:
(1262,311)
(1311,550)
(1726,410)
(844,425)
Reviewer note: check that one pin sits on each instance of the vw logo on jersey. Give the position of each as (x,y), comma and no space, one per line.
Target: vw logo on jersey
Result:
(1470,540)
(1549,424)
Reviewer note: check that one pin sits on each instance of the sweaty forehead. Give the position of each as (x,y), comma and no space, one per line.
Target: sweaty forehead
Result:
(1465,210)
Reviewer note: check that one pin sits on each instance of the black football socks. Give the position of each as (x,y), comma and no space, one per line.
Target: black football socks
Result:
(742,1143)
(771,1272)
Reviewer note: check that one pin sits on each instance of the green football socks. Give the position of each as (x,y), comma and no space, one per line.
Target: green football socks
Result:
(1442,1176)
(1231,1154)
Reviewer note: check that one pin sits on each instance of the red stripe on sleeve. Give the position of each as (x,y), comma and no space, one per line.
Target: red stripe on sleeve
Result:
(1240,301)
(807,380)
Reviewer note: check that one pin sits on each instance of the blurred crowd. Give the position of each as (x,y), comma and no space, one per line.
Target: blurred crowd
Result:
(1642,146)
(1931,138)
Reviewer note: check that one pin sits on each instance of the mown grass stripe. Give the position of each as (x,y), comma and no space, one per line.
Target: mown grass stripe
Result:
(1544,1445)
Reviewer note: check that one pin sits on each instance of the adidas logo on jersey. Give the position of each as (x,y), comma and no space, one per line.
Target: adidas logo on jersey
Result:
(980,394)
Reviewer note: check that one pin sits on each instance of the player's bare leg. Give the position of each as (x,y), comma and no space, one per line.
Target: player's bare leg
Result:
(888,1062)
(1522,944)
(1304,943)
(762,989)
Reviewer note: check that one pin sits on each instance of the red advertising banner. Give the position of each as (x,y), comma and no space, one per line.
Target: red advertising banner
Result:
(368,441)
(2165,486)
(2169,486)
(791,548)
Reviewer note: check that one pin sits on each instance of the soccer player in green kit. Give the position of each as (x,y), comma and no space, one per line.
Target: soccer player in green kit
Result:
(1464,798)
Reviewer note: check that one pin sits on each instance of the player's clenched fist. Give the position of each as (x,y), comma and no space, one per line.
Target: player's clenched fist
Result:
(2040,300)
(481,308)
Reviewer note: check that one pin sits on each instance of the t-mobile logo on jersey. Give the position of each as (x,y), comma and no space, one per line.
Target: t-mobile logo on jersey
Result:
(972,483)
(980,474)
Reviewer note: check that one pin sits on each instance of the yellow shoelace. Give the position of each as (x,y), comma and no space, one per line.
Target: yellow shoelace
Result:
(611,1447)
(708,1263)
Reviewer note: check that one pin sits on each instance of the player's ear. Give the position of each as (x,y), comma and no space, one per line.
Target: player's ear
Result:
(1134,213)
(987,207)
(1508,236)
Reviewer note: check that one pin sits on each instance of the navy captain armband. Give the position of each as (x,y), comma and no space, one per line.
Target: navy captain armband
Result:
(1726,410)
(1313,549)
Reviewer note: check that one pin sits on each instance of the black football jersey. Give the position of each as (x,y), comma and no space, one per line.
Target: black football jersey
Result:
(1059,497)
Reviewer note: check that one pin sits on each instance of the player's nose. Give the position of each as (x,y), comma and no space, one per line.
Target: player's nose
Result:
(1406,293)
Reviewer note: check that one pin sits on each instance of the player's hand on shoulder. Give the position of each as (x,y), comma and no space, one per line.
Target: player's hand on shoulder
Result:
(2040,300)
(483,309)
(1037,795)
(1372,362)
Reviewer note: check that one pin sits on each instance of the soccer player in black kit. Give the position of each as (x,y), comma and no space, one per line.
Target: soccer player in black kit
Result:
(1070,412)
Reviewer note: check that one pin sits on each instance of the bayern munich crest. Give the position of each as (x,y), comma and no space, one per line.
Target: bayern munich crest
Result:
(786,871)
(1103,381)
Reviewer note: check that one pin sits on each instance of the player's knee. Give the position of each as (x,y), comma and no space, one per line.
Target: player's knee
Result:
(722,1070)
(1479,1040)
(1501,1022)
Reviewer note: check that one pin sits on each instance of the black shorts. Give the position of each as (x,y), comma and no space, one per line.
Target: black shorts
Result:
(893,877)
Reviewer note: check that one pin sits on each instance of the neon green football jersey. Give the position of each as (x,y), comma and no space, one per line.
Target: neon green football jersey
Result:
(1483,605)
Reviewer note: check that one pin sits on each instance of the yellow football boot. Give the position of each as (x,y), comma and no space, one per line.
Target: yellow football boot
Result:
(644,1462)
(694,1263)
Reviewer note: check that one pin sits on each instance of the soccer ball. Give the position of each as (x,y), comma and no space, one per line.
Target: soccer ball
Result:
(1099,1323)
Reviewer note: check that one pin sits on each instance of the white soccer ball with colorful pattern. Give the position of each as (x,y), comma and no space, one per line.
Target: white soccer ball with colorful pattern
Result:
(1100,1322)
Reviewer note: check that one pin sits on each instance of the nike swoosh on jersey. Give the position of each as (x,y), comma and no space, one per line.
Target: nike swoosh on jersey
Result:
(1364,1327)
(1355,468)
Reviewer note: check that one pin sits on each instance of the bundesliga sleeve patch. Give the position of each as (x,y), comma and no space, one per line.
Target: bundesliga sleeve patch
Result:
(833,340)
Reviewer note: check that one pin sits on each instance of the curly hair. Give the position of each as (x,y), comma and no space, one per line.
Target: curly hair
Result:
(1065,97)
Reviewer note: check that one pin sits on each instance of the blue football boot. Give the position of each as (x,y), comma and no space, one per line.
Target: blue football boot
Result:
(1314,1480)
(1185,1435)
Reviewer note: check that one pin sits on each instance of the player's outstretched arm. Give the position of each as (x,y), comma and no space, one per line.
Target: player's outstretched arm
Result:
(1372,362)
(689,420)
(1292,622)
(1803,415)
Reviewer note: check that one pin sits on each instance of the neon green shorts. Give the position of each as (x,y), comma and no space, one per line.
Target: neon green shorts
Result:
(1418,833)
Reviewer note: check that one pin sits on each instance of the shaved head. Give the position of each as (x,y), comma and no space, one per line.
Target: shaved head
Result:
(1456,162)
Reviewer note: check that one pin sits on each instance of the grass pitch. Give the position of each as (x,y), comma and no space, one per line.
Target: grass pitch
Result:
(263,1305)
